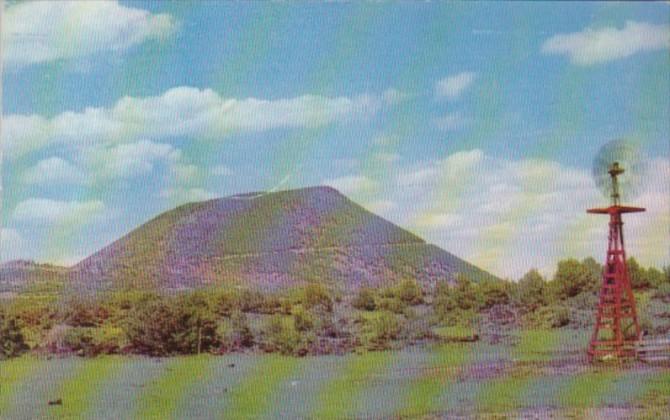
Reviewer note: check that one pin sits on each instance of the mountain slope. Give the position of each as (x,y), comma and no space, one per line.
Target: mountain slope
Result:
(269,240)
(18,276)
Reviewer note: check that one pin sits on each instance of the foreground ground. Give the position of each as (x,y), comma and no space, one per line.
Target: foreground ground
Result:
(543,374)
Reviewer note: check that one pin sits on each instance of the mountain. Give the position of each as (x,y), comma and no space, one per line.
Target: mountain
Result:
(15,276)
(269,240)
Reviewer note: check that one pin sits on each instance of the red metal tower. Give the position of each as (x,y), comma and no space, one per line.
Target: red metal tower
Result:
(617,328)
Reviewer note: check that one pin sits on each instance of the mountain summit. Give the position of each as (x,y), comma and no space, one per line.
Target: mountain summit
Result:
(271,240)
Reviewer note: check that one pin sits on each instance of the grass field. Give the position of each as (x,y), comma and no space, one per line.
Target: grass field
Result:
(463,379)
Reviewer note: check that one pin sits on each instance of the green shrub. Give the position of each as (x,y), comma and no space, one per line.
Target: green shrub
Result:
(655,277)
(83,312)
(235,332)
(554,316)
(583,301)
(120,303)
(493,293)
(80,340)
(409,292)
(459,317)
(663,291)
(456,333)
(33,314)
(225,302)
(465,294)
(252,301)
(449,302)
(109,339)
(531,291)
(573,277)
(302,320)
(86,341)
(324,326)
(12,341)
(273,304)
(316,295)
(385,328)
(364,299)
(637,274)
(444,301)
(282,337)
(420,329)
(172,325)
(391,304)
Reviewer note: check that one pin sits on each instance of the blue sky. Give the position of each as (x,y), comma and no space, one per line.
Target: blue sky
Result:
(472,124)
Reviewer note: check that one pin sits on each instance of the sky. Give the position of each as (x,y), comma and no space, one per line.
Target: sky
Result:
(474,125)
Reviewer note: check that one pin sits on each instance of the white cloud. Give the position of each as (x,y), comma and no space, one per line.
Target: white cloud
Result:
(415,176)
(450,122)
(10,236)
(129,160)
(179,112)
(221,170)
(508,216)
(592,46)
(104,163)
(47,211)
(351,184)
(186,195)
(388,157)
(394,96)
(459,163)
(452,87)
(186,173)
(12,244)
(54,171)
(381,207)
(385,139)
(439,220)
(44,31)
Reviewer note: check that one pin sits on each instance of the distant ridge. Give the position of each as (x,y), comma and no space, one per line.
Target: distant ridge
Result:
(16,275)
(269,240)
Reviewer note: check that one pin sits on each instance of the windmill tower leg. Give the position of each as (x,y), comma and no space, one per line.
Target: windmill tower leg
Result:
(616,328)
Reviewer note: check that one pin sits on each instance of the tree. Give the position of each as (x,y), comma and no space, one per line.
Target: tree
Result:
(456,304)
(235,332)
(637,274)
(385,329)
(531,290)
(444,301)
(283,337)
(655,277)
(12,341)
(84,312)
(493,293)
(173,325)
(573,277)
(225,302)
(593,271)
(465,294)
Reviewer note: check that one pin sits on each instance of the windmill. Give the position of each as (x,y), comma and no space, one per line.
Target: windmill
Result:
(617,170)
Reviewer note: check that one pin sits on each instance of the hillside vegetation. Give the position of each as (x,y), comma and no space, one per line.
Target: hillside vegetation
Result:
(314,319)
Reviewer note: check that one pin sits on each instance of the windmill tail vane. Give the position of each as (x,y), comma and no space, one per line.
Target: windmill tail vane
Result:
(617,328)
(615,170)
